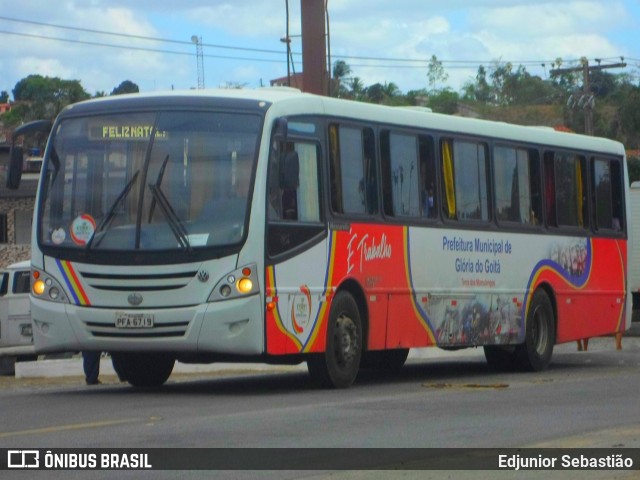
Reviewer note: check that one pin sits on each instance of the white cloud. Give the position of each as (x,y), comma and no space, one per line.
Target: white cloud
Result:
(477,31)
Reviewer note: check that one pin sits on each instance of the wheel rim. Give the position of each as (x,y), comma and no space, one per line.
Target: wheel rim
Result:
(345,341)
(540,330)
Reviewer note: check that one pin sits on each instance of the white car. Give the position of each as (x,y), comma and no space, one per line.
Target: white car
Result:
(16,331)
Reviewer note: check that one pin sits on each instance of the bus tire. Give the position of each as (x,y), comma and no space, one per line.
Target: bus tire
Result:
(500,358)
(535,353)
(143,369)
(338,366)
(385,359)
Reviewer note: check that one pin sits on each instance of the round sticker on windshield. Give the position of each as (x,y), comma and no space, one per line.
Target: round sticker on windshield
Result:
(82,229)
(58,236)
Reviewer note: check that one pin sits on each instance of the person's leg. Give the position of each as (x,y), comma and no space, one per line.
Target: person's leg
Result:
(91,366)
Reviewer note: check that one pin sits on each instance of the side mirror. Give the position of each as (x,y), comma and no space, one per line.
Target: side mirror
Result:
(289,171)
(14,172)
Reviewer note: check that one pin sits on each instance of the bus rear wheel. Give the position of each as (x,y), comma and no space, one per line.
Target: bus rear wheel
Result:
(143,369)
(338,366)
(535,353)
(500,358)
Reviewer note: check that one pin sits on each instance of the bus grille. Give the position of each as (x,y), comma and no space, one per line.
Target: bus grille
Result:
(160,330)
(139,282)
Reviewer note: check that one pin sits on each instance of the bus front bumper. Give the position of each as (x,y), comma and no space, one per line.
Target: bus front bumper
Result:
(233,326)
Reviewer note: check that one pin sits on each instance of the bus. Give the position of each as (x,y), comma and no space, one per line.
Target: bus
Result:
(281,227)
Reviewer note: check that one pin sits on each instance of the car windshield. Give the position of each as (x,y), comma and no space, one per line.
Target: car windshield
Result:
(148,181)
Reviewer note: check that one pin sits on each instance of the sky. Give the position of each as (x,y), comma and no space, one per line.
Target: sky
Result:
(104,42)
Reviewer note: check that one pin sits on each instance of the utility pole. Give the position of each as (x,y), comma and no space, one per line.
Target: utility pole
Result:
(587,101)
(314,47)
(199,60)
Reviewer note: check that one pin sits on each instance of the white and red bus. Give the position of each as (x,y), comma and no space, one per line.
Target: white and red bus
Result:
(282,227)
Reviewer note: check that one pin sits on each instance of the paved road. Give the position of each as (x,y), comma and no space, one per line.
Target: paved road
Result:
(585,399)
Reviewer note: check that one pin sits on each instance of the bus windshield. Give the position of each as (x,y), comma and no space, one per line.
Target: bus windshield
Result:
(148,181)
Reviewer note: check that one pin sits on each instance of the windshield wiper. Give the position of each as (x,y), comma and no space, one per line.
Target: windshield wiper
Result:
(106,220)
(176,225)
(158,182)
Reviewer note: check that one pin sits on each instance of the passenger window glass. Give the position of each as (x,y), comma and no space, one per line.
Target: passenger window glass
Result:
(517,185)
(405,181)
(566,190)
(353,172)
(295,200)
(464,166)
(607,195)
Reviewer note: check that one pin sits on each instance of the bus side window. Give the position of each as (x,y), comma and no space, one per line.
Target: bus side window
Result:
(403,172)
(428,176)
(566,187)
(517,185)
(353,170)
(607,194)
(550,190)
(465,180)
(293,184)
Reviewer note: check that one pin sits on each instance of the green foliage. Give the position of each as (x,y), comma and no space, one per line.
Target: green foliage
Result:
(125,87)
(44,97)
(444,101)
(436,73)
(633,167)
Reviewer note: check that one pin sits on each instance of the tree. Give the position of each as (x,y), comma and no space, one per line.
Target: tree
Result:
(375,93)
(479,91)
(356,88)
(435,72)
(444,101)
(125,87)
(44,97)
(4,97)
(340,72)
(500,74)
(629,118)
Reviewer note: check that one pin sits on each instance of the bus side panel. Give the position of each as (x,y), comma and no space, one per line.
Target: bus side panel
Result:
(374,259)
(297,300)
(589,287)
(377,258)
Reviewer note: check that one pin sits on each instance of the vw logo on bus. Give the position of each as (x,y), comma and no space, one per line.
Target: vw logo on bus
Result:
(134,299)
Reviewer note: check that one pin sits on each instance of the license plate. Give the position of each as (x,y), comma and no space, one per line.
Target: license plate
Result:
(134,320)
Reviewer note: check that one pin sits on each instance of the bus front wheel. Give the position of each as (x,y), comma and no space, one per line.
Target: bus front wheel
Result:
(540,337)
(338,366)
(143,369)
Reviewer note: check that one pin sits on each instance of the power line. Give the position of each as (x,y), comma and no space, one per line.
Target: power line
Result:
(130,47)
(409,63)
(139,37)
(421,62)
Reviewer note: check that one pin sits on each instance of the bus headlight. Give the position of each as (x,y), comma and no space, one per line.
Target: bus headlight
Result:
(239,283)
(46,287)
(245,285)
(38,288)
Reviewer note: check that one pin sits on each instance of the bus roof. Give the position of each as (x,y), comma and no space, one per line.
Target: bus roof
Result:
(290,101)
